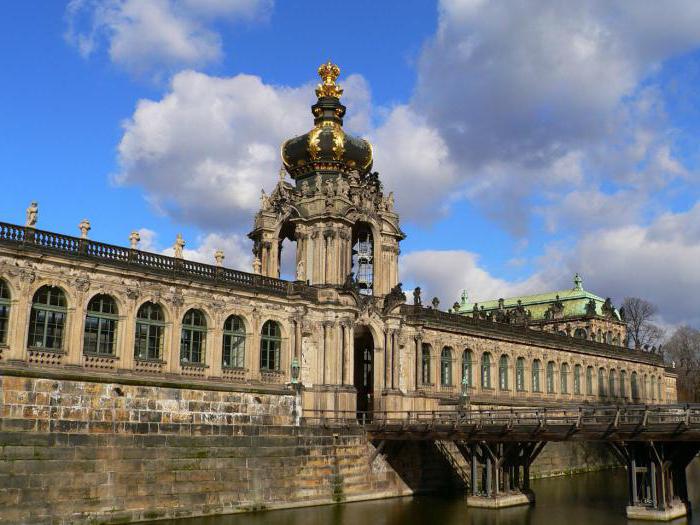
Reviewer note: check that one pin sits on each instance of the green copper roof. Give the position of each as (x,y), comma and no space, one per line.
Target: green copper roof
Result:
(574,301)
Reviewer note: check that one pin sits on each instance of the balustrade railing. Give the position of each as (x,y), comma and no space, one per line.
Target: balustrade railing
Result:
(420,314)
(31,238)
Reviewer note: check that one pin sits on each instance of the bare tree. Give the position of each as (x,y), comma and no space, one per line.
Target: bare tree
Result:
(638,314)
(683,352)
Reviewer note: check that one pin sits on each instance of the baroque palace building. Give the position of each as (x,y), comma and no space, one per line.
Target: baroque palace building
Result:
(341,333)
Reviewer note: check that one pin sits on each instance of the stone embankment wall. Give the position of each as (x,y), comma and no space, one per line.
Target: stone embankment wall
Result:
(76,451)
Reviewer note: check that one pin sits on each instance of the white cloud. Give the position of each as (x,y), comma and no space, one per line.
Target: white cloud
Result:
(155,35)
(532,96)
(204,151)
(445,273)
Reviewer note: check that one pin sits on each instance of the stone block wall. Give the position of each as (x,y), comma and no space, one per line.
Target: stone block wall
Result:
(78,451)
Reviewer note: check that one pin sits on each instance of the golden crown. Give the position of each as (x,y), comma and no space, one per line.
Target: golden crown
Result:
(328,88)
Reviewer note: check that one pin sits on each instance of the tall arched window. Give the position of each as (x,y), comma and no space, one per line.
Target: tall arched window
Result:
(363,258)
(193,338)
(612,391)
(4,311)
(564,378)
(425,363)
(100,334)
(486,370)
(599,336)
(520,374)
(233,351)
(608,337)
(589,381)
(503,372)
(653,388)
(577,380)
(623,384)
(634,386)
(467,366)
(47,321)
(601,382)
(645,384)
(270,346)
(446,366)
(581,333)
(150,330)
(550,377)
(658,390)
(536,374)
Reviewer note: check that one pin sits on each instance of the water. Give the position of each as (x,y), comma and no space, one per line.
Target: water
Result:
(587,499)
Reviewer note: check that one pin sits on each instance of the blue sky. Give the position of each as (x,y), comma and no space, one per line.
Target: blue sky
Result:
(524,141)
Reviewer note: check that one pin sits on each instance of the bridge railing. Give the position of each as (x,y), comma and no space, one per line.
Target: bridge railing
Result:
(584,415)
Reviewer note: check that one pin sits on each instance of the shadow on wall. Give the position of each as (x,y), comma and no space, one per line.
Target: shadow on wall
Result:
(421,466)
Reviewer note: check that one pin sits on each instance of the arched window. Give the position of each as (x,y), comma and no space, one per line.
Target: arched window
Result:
(100,334)
(612,380)
(193,337)
(270,345)
(653,388)
(564,378)
(601,382)
(658,390)
(550,377)
(467,366)
(589,381)
(645,384)
(599,336)
(503,372)
(536,373)
(608,337)
(581,333)
(150,330)
(425,363)
(520,374)
(634,386)
(47,321)
(486,370)
(616,340)
(4,311)
(577,380)
(233,351)
(623,383)
(446,366)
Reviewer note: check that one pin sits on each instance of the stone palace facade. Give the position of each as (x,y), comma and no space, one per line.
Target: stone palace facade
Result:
(341,333)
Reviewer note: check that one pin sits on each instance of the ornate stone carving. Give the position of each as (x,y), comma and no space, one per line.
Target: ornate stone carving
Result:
(178,246)
(32,214)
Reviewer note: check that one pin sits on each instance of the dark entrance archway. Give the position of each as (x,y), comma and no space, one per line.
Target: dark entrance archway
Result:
(364,371)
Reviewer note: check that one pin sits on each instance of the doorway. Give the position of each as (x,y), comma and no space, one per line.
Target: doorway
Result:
(364,372)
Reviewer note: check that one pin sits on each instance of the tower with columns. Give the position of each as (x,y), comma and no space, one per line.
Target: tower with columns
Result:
(334,209)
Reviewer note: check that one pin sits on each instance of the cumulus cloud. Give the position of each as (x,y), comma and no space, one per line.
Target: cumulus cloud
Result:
(515,87)
(445,273)
(206,148)
(155,35)
(658,262)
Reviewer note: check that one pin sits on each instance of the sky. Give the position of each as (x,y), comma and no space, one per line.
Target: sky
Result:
(524,141)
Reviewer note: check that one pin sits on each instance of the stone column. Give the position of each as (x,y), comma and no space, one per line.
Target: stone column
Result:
(252,348)
(127,335)
(325,350)
(20,310)
(215,340)
(419,349)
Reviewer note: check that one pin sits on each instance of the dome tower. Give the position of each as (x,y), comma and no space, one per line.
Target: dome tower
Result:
(334,208)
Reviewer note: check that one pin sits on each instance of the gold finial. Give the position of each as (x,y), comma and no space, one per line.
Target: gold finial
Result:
(328,88)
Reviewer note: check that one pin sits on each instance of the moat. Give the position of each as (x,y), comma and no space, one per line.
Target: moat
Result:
(597,498)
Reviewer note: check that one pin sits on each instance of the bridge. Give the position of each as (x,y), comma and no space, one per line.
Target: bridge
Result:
(655,444)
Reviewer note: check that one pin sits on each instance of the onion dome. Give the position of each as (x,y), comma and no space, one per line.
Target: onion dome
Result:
(327,147)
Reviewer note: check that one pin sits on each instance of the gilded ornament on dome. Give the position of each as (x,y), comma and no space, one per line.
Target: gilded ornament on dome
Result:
(328,88)
(338,142)
(314,147)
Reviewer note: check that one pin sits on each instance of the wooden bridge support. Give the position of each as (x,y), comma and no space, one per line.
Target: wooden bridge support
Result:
(500,472)
(656,478)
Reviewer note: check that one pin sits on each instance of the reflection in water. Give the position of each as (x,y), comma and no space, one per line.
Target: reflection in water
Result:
(587,499)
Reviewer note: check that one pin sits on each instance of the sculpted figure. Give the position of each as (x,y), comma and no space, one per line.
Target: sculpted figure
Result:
(134,239)
(257,266)
(417,301)
(301,271)
(318,184)
(389,203)
(178,246)
(84,227)
(264,200)
(32,214)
